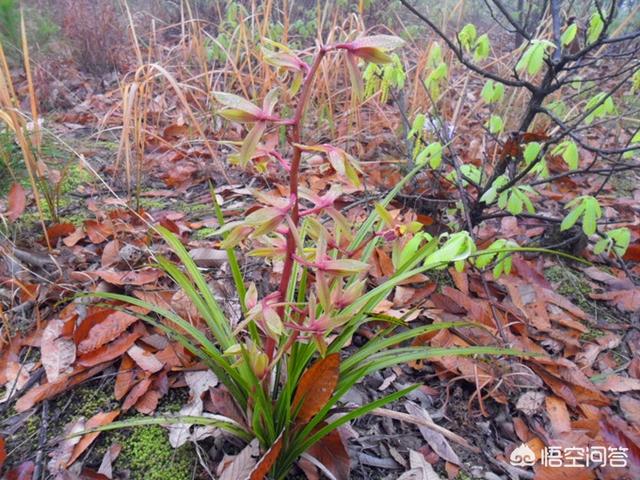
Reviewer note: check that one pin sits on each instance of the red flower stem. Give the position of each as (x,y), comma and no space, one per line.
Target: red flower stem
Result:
(294,140)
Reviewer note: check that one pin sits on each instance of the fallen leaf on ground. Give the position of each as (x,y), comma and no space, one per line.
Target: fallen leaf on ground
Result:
(145,360)
(630,407)
(148,403)
(61,455)
(50,390)
(198,382)
(208,257)
(530,402)
(24,471)
(331,452)
(618,433)
(239,466)
(136,393)
(106,466)
(618,383)
(563,473)
(436,440)
(263,466)
(109,351)
(3,452)
(558,415)
(60,230)
(16,376)
(110,254)
(420,468)
(137,277)
(99,420)
(106,330)
(97,232)
(624,300)
(17,200)
(124,379)
(57,352)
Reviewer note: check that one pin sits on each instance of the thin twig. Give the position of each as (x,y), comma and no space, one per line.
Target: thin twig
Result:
(405,417)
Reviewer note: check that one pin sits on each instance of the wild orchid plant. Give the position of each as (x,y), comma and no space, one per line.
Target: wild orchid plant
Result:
(282,363)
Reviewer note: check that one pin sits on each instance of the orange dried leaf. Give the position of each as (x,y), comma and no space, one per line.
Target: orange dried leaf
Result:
(138,277)
(145,360)
(148,403)
(3,452)
(136,392)
(105,331)
(17,202)
(124,379)
(316,387)
(99,420)
(57,351)
(98,232)
(262,468)
(110,254)
(558,415)
(109,351)
(633,252)
(331,452)
(59,230)
(50,390)
(564,473)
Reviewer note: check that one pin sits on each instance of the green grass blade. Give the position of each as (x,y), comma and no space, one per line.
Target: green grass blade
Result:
(201,305)
(236,272)
(305,439)
(217,421)
(376,345)
(226,335)
(209,348)
(397,356)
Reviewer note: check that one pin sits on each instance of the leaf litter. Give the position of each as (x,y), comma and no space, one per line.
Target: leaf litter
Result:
(581,390)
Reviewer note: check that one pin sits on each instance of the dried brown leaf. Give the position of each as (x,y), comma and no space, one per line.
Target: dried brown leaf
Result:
(331,452)
(315,387)
(436,440)
(57,352)
(109,351)
(50,390)
(136,392)
(145,360)
(17,201)
(106,330)
(124,379)
(138,277)
(99,420)
(263,466)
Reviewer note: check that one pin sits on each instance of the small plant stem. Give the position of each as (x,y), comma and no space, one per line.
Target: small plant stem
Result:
(294,140)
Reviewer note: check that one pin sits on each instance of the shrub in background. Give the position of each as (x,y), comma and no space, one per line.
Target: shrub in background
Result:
(97,34)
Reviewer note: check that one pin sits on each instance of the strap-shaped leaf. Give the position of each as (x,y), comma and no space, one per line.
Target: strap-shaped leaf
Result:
(218,421)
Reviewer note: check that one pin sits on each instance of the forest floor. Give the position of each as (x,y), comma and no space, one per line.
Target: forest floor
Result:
(583,318)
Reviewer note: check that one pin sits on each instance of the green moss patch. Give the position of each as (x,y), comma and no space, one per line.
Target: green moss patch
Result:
(572,284)
(204,233)
(147,454)
(569,284)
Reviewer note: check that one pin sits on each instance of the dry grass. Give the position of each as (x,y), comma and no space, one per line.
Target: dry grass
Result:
(16,122)
(96,32)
